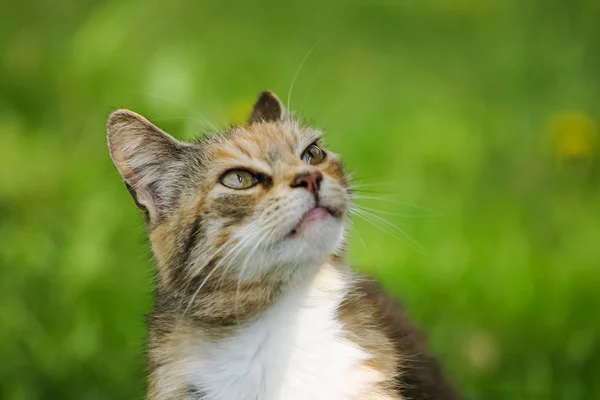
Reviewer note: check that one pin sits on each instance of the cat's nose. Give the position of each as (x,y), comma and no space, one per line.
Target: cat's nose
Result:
(311,180)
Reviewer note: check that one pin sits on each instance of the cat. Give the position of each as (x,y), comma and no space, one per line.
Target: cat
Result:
(254,296)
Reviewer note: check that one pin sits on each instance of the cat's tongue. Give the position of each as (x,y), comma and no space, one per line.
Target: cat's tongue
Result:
(314,215)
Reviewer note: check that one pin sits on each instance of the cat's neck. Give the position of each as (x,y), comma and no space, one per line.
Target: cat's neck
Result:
(301,345)
(275,356)
(221,304)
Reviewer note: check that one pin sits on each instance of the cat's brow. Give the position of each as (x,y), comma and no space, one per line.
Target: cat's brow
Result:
(273,156)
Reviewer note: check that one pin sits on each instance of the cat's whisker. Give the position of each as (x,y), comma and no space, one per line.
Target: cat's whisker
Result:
(273,231)
(359,237)
(177,103)
(194,266)
(379,226)
(374,187)
(388,183)
(401,203)
(376,224)
(371,218)
(380,212)
(249,236)
(310,86)
(289,98)
(243,269)
(382,193)
(197,270)
(265,238)
(263,234)
(202,123)
(217,265)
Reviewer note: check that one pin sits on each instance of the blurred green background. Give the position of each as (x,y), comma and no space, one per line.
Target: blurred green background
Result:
(473,126)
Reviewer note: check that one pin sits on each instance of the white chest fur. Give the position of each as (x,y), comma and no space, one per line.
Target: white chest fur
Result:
(294,351)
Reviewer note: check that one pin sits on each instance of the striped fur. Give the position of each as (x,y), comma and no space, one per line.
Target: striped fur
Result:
(254,299)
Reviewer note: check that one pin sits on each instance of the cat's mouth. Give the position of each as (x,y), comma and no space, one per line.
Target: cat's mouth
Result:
(317,213)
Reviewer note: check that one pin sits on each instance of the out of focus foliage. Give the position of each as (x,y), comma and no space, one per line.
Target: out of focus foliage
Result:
(471,125)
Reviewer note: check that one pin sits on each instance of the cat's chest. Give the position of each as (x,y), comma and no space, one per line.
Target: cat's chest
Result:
(295,351)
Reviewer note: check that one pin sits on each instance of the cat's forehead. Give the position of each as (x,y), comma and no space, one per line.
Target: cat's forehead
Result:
(267,142)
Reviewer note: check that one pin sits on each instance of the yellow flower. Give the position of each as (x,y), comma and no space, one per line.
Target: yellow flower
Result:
(574,134)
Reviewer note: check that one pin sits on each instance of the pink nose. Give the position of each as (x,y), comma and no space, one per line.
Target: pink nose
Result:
(309,180)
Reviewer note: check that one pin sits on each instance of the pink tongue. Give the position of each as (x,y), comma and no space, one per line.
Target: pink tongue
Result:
(314,215)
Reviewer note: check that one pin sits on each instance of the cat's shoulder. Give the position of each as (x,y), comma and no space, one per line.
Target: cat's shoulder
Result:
(419,374)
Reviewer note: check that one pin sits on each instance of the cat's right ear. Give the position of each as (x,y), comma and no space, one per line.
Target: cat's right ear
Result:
(148,159)
(268,108)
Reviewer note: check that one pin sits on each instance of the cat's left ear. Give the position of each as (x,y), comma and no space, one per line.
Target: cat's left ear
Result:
(268,108)
(150,161)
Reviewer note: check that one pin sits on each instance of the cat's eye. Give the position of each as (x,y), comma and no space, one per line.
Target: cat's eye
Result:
(239,179)
(313,154)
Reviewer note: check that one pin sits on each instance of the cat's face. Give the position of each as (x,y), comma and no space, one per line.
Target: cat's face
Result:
(262,200)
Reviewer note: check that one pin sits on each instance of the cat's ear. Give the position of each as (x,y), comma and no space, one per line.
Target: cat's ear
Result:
(268,108)
(148,159)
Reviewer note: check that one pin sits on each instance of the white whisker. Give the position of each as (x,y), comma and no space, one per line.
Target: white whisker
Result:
(360,237)
(386,226)
(217,265)
(310,86)
(359,197)
(243,269)
(353,185)
(194,267)
(289,98)
(188,108)
(374,210)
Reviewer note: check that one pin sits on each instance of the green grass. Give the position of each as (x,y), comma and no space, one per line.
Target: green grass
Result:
(448,107)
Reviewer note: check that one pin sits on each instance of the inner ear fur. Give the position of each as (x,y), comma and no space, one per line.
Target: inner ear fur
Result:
(148,159)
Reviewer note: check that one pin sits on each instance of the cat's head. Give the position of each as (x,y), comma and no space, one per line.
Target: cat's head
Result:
(261,199)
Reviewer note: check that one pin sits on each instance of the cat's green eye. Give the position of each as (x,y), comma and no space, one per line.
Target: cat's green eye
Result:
(238,179)
(313,154)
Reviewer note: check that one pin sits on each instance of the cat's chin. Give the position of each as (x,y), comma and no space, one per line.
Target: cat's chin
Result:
(317,236)
(320,235)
